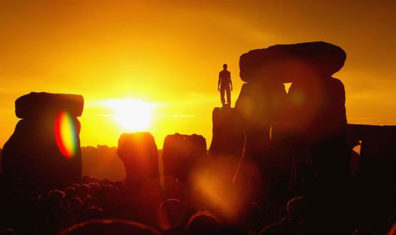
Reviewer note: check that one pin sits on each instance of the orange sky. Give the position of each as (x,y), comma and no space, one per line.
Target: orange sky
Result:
(170,52)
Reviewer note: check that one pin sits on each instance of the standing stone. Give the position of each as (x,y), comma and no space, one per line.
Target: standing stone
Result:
(139,154)
(260,105)
(228,133)
(180,153)
(33,155)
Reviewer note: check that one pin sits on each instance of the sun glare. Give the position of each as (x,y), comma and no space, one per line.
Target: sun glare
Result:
(131,114)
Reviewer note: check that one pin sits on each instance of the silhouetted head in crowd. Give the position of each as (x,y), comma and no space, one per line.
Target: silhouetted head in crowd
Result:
(202,222)
(172,213)
(109,226)
(225,66)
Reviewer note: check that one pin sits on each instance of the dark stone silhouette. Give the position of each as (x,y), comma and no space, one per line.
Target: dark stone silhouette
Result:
(224,85)
(315,103)
(260,103)
(228,133)
(36,105)
(31,157)
(139,154)
(375,176)
(285,62)
(314,115)
(318,107)
(180,152)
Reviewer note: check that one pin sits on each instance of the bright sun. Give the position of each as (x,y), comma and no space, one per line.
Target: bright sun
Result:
(131,114)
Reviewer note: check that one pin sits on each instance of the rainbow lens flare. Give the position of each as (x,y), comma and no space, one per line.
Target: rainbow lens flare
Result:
(65,134)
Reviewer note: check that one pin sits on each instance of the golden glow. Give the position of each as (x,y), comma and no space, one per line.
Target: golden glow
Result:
(131,114)
(170,52)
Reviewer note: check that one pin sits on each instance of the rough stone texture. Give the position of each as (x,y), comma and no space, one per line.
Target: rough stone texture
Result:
(228,133)
(376,174)
(284,62)
(180,152)
(318,108)
(45,104)
(260,105)
(139,154)
(31,156)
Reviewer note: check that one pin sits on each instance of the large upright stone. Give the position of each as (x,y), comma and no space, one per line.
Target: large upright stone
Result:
(180,153)
(228,132)
(260,104)
(44,149)
(139,154)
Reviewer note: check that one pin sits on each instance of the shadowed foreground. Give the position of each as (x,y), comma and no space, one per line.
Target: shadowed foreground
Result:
(279,163)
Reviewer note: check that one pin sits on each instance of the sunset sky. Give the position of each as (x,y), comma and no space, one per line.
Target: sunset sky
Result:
(169,53)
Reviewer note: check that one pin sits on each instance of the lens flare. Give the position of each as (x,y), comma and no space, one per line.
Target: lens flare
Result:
(132,114)
(65,134)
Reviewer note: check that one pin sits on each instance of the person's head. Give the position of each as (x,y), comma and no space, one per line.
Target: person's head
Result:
(172,213)
(225,66)
(202,222)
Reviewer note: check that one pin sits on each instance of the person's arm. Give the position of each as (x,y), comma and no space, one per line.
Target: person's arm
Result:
(218,83)
(230,82)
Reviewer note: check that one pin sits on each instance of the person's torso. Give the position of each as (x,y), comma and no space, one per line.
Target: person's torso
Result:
(225,78)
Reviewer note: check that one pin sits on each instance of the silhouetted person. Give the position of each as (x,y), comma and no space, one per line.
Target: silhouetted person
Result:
(225,85)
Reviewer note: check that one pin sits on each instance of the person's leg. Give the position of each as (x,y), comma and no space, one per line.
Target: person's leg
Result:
(228,96)
(222,95)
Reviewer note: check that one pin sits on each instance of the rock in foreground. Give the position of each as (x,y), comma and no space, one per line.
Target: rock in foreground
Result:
(139,154)
(40,152)
(228,133)
(180,153)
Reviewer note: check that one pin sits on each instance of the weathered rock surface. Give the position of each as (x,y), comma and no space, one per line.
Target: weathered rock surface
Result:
(228,133)
(284,62)
(318,108)
(139,154)
(32,156)
(180,152)
(45,104)
(260,105)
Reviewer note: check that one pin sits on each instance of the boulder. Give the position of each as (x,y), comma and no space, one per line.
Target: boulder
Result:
(180,152)
(39,152)
(138,151)
(318,109)
(228,133)
(260,105)
(35,105)
(289,61)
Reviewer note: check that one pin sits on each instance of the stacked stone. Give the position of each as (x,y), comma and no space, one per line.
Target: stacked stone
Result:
(263,101)
(277,123)
(181,152)
(32,156)
(228,133)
